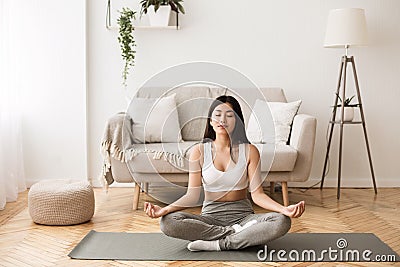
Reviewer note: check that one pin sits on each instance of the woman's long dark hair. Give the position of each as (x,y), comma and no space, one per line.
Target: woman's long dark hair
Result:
(238,134)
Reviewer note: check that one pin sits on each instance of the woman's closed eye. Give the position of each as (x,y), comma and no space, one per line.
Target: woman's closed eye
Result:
(229,116)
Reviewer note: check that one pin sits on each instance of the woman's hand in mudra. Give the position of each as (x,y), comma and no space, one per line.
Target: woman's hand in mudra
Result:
(153,211)
(294,211)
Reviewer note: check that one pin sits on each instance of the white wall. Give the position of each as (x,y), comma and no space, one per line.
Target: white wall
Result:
(48,46)
(275,43)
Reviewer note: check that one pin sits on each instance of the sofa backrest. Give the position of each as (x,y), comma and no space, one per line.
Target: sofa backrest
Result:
(193,103)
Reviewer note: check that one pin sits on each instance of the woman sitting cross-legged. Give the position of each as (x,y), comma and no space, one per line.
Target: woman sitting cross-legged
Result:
(226,165)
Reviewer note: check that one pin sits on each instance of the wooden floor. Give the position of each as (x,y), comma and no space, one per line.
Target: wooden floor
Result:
(24,243)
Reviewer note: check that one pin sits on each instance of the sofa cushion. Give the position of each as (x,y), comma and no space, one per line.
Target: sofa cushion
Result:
(282,115)
(284,159)
(192,103)
(155,119)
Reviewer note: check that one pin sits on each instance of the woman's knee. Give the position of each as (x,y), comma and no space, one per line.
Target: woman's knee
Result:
(284,223)
(169,223)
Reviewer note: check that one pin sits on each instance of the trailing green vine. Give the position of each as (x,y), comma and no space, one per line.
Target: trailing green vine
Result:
(126,40)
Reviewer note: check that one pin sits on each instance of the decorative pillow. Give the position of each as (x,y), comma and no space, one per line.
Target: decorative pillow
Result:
(259,131)
(155,120)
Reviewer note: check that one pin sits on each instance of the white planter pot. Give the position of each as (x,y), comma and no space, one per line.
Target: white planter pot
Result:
(161,18)
(348,114)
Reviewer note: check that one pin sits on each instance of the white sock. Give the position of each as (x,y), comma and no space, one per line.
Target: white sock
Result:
(202,245)
(238,228)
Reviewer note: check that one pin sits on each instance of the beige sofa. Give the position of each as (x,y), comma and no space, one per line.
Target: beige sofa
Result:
(291,162)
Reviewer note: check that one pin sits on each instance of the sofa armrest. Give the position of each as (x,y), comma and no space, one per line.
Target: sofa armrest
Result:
(112,145)
(117,135)
(303,140)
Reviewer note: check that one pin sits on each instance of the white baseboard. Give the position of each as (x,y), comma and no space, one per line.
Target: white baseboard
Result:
(96,183)
(346,183)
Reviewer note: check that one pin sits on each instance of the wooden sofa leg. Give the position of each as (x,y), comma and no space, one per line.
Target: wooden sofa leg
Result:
(136,194)
(271,187)
(285,194)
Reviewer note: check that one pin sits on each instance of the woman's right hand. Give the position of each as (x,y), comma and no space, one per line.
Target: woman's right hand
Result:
(295,210)
(153,211)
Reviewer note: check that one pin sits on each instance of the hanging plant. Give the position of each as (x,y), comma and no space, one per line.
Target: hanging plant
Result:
(126,40)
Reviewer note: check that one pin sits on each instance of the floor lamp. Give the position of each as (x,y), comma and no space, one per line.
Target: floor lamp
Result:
(346,28)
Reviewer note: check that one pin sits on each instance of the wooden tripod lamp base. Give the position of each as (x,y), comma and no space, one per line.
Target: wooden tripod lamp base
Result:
(342,77)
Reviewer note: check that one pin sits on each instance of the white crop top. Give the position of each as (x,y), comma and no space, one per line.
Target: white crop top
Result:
(215,180)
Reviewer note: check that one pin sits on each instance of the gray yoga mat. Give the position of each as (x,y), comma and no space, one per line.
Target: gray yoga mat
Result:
(291,247)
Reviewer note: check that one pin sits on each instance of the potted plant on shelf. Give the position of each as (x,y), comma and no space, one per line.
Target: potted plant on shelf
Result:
(160,10)
(348,109)
(126,40)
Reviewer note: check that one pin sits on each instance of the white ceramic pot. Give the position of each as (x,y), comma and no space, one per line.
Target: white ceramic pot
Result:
(348,113)
(159,18)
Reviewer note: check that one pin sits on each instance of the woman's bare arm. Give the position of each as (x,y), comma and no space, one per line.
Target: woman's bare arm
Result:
(192,196)
(257,192)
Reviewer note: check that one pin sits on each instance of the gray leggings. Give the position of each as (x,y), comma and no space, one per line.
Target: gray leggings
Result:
(216,220)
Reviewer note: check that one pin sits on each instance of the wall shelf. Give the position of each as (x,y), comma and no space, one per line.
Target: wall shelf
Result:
(147,27)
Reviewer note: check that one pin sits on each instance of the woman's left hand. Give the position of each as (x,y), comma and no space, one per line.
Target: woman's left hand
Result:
(294,211)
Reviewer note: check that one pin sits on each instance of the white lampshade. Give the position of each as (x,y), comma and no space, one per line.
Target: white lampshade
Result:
(346,27)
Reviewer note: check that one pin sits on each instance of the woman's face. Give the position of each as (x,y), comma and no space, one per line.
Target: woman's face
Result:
(223,119)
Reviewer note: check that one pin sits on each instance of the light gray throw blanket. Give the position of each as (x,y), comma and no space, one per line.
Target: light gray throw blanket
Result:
(117,143)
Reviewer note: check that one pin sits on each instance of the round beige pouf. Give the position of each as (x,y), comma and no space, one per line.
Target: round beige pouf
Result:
(61,202)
